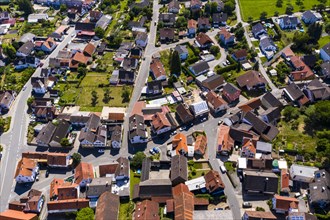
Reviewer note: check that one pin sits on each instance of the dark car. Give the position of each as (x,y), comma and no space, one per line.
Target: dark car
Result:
(47,174)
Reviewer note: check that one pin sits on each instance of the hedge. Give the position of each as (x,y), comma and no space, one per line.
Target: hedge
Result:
(186,71)
(227,68)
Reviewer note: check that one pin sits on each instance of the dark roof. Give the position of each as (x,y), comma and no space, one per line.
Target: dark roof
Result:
(98,186)
(325,68)
(61,131)
(258,125)
(123,167)
(326,48)
(240,53)
(257,28)
(230,88)
(251,78)
(294,91)
(46,133)
(308,14)
(266,42)
(181,49)
(310,60)
(179,169)
(174,4)
(219,17)
(213,82)
(82,26)
(184,113)
(26,48)
(290,20)
(104,210)
(269,100)
(129,64)
(126,75)
(200,67)
(167,17)
(154,85)
(93,122)
(261,182)
(301,215)
(146,166)
(167,33)
(238,135)
(137,126)
(116,133)
(273,114)
(141,36)
(213,181)
(320,190)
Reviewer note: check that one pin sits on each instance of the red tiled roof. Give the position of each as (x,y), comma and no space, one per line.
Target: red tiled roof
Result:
(17,215)
(83,171)
(285,203)
(147,210)
(225,33)
(192,23)
(159,121)
(157,68)
(215,100)
(179,142)
(183,202)
(288,52)
(25,167)
(213,181)
(203,38)
(200,144)
(225,142)
(89,49)
(67,204)
(284,179)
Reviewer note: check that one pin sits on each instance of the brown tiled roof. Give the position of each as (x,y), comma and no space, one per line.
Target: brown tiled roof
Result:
(107,206)
(157,68)
(203,38)
(183,202)
(116,116)
(146,210)
(63,190)
(201,201)
(213,181)
(49,42)
(240,53)
(285,203)
(200,144)
(170,205)
(225,33)
(215,100)
(225,142)
(80,58)
(17,215)
(56,159)
(285,179)
(249,144)
(25,167)
(250,78)
(107,169)
(184,113)
(288,52)
(260,215)
(67,204)
(192,23)
(179,142)
(250,105)
(159,121)
(89,49)
(83,171)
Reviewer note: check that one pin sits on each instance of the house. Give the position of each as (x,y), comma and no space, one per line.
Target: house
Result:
(26,171)
(287,53)
(271,115)
(61,132)
(96,187)
(284,204)
(182,203)
(195,5)
(260,182)
(179,170)
(319,191)
(6,99)
(35,18)
(141,39)
(203,24)
(258,29)
(160,123)
(213,83)
(69,205)
(213,182)
(45,135)
(301,215)
(104,21)
(26,38)
(183,113)
(78,58)
(258,215)
(248,148)
(38,85)
(231,93)
(168,19)
(192,27)
(119,169)
(226,37)
(310,17)
(199,109)
(251,80)
(264,147)
(301,70)
(200,145)
(293,94)
(157,69)
(240,55)
(89,50)
(288,22)
(116,136)
(25,50)
(25,62)
(84,173)
(104,210)
(174,6)
(137,129)
(147,210)
(300,173)
(220,4)
(10,214)
(269,100)
(93,137)
(154,87)
(203,41)
(179,143)
(94,15)
(309,60)
(166,34)
(49,45)
(251,105)
(182,51)
(316,91)
(225,142)
(199,68)
(32,203)
(267,46)
(129,64)
(216,103)
(325,52)
(219,19)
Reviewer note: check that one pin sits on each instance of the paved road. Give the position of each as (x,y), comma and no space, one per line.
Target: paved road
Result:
(15,138)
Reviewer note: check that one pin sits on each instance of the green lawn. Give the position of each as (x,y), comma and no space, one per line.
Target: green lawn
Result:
(165,59)
(253,8)
(94,79)
(125,210)
(132,181)
(106,62)
(323,41)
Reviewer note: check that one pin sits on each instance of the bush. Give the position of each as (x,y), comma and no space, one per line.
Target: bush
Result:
(260,209)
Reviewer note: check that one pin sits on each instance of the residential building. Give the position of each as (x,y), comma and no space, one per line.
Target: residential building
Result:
(89,50)
(179,143)
(154,87)
(285,181)
(213,83)
(25,50)
(96,187)
(258,29)
(271,115)
(200,145)
(168,19)
(226,37)
(220,4)
(263,147)
(316,91)
(216,103)
(166,34)
(199,68)
(231,93)
(49,45)
(84,173)
(267,46)
(119,169)
(62,190)
(239,55)
(287,53)
(269,100)
(301,215)
(260,182)
(147,210)
(292,93)
(195,5)
(203,41)
(6,100)
(300,173)
(26,38)
(35,18)
(192,27)
(203,24)
(160,123)
(10,214)
(213,183)
(258,215)
(157,69)
(174,6)
(126,77)
(301,70)
(184,114)
(248,148)
(61,132)
(225,142)
(69,205)
(284,204)
(104,21)
(32,203)
(219,19)
(200,109)
(182,51)
(115,133)
(141,39)
(251,80)
(179,169)
(319,191)
(137,129)
(104,210)
(183,202)
(289,22)
(26,171)
(310,17)
(325,52)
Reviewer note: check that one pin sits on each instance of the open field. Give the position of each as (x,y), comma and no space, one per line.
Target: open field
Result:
(323,41)
(253,8)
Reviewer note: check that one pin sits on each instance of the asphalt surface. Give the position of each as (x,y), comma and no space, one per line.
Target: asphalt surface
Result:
(15,139)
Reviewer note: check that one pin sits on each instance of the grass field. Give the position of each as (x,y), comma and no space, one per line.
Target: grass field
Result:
(323,41)
(253,8)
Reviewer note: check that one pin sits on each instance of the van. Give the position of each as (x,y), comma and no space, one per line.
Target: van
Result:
(223,169)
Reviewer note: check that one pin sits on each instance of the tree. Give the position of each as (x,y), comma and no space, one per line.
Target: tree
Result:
(279,3)
(289,9)
(76,157)
(1,148)
(300,40)
(125,95)
(315,31)
(214,50)
(9,51)
(136,161)
(290,113)
(30,101)
(85,214)
(65,142)
(63,8)
(239,33)
(81,71)
(99,32)
(94,98)
(250,19)
(106,96)
(40,54)
(25,6)
(114,41)
(276,13)
(229,7)
(327,28)
(263,15)
(181,22)
(175,63)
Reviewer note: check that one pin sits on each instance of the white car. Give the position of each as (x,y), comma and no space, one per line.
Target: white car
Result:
(227,62)
(24,88)
(151,151)
(100,151)
(223,169)
(220,122)
(224,63)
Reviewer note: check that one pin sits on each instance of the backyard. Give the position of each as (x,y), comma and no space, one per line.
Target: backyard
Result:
(323,41)
(253,8)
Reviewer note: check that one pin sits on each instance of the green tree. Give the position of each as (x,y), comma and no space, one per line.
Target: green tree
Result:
(1,148)
(40,54)
(125,95)
(290,113)
(85,214)
(214,50)
(263,15)
(279,3)
(315,31)
(289,9)
(25,6)
(229,7)
(136,161)
(99,32)
(106,96)
(175,63)
(63,8)
(327,28)
(81,71)
(250,19)
(300,40)
(181,22)
(65,142)
(76,157)
(94,98)
(9,51)
(30,101)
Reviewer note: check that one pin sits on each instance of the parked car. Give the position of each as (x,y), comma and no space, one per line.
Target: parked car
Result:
(101,151)
(47,174)
(223,169)
(37,178)
(247,205)
(151,151)
(220,122)
(218,208)
(227,62)
(24,88)
(224,63)
(129,157)
(174,132)
(156,150)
